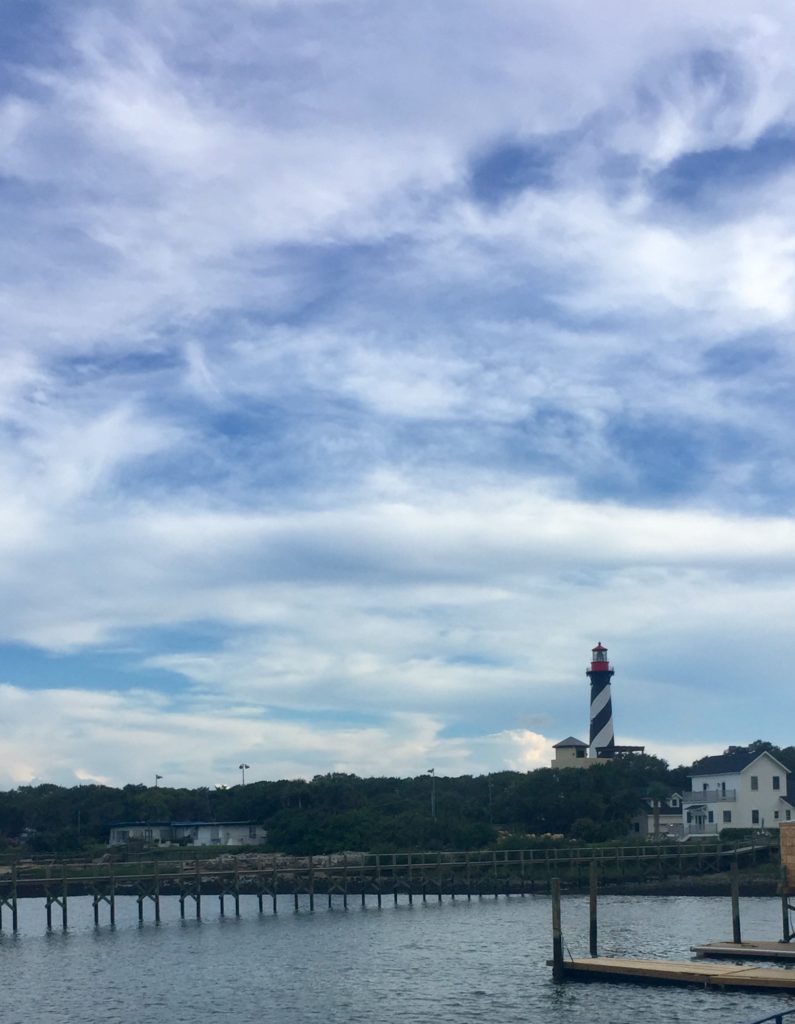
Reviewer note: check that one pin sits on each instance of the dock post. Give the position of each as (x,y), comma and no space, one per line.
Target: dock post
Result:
(14,922)
(63,895)
(735,883)
(784,905)
(557,937)
(593,929)
(311,883)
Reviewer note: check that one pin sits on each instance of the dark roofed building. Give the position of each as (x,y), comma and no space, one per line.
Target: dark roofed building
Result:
(570,753)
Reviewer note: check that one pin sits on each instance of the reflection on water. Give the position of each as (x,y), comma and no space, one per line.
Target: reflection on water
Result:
(457,962)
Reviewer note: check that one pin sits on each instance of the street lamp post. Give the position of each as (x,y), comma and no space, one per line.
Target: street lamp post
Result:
(242,768)
(157,779)
(432,773)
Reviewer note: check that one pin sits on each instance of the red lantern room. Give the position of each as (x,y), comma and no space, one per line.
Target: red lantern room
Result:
(599,662)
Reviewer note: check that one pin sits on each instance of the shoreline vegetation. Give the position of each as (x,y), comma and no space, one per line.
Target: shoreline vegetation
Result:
(551,808)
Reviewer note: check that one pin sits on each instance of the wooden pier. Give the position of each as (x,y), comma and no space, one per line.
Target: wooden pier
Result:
(682,972)
(679,972)
(341,878)
(299,881)
(760,950)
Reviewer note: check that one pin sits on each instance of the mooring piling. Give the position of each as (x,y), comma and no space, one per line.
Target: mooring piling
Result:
(557,936)
(592,920)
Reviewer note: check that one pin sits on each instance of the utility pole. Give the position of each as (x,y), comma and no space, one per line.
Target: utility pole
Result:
(242,768)
(432,773)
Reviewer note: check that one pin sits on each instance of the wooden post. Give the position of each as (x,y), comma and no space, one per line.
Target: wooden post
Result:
(198,892)
(557,937)
(63,897)
(784,905)
(592,930)
(311,883)
(735,883)
(14,897)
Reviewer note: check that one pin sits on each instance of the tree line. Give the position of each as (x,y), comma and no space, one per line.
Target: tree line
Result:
(340,811)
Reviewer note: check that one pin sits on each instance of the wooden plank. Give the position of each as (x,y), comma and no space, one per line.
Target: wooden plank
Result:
(759,950)
(683,972)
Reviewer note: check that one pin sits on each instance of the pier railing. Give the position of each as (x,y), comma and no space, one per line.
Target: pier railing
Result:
(395,875)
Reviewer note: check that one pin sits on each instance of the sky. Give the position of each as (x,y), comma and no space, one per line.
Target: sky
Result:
(365,362)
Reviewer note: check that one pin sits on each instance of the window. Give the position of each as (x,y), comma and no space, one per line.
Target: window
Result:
(723,788)
(727,817)
(788,815)
(710,817)
(636,826)
(776,782)
(580,752)
(754,817)
(705,787)
(754,782)
(775,815)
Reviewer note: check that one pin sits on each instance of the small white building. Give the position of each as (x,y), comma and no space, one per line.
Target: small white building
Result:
(187,833)
(737,791)
(571,753)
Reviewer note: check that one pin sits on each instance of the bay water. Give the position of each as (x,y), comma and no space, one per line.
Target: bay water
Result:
(455,962)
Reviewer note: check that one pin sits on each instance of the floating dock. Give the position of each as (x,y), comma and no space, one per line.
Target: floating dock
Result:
(784,952)
(679,972)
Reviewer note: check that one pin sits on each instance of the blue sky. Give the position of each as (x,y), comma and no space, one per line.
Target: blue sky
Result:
(364,363)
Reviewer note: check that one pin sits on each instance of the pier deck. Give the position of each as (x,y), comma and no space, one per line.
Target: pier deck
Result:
(679,972)
(752,950)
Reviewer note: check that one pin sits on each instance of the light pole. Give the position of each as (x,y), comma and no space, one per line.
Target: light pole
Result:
(432,773)
(242,768)
(157,779)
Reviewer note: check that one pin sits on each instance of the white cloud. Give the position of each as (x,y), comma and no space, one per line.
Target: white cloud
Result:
(271,371)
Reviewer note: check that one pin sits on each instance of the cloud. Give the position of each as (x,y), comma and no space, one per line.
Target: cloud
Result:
(366,365)
(72,736)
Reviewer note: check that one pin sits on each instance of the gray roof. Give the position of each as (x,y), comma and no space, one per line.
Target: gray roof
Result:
(728,763)
(570,741)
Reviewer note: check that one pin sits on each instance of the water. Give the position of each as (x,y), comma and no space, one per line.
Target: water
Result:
(449,963)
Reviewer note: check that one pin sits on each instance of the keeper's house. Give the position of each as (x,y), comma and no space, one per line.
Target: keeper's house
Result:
(187,833)
(737,791)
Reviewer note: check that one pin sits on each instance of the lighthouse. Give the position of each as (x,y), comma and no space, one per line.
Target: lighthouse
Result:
(602,739)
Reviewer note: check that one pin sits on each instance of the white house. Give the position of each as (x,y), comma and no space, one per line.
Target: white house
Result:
(187,833)
(737,791)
